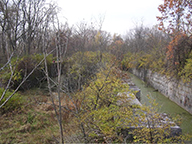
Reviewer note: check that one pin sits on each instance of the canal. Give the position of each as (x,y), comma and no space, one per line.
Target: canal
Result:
(165,105)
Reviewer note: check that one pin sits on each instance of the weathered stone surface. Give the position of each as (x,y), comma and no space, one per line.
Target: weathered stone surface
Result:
(133,97)
(175,90)
(175,130)
(136,90)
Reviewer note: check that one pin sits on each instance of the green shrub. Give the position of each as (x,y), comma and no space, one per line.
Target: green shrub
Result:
(24,66)
(14,103)
(82,66)
(186,72)
(130,60)
(153,61)
(79,68)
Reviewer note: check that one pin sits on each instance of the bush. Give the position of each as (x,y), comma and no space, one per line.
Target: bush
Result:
(101,111)
(186,72)
(24,66)
(14,103)
(79,68)
(153,61)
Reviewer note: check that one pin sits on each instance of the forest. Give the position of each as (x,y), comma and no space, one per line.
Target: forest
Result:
(61,83)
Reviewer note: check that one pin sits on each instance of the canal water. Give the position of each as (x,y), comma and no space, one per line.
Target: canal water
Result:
(165,105)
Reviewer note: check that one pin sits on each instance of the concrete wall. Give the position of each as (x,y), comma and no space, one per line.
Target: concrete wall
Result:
(175,90)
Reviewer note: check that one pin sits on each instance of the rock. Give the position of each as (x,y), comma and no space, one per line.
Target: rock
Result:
(134,99)
(137,91)
(131,98)
(128,136)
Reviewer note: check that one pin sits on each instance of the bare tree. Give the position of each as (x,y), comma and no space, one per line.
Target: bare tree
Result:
(12,43)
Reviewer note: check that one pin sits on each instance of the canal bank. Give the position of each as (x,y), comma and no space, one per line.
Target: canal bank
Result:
(165,105)
(175,89)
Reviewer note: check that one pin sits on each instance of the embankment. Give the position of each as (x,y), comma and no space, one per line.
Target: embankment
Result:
(176,90)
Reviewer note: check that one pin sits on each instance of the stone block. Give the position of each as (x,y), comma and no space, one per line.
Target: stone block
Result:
(175,130)
(137,91)
(170,87)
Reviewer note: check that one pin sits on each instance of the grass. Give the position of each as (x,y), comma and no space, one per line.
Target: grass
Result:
(33,123)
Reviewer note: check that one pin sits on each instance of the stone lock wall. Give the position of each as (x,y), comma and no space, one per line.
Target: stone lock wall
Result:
(175,90)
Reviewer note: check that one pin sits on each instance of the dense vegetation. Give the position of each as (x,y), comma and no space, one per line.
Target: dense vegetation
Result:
(66,84)
(168,49)
(156,54)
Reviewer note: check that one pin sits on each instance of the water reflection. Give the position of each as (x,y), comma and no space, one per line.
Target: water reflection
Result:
(165,105)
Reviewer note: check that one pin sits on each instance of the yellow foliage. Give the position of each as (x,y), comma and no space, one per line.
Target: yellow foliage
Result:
(100,110)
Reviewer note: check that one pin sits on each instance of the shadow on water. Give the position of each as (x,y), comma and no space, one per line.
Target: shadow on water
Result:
(165,105)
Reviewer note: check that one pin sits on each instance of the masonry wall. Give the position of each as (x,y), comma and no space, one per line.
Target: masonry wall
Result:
(175,90)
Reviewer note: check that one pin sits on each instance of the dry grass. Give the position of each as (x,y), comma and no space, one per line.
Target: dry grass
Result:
(36,122)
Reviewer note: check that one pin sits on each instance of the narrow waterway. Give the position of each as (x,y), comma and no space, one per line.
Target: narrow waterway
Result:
(165,105)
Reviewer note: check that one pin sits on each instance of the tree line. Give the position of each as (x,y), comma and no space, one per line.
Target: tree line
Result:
(83,62)
(167,48)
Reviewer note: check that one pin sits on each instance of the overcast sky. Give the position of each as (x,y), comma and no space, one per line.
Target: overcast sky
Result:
(120,15)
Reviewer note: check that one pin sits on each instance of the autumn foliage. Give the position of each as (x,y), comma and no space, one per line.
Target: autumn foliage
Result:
(167,48)
(176,16)
(176,20)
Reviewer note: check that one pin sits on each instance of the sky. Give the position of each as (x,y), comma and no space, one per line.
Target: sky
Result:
(119,15)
